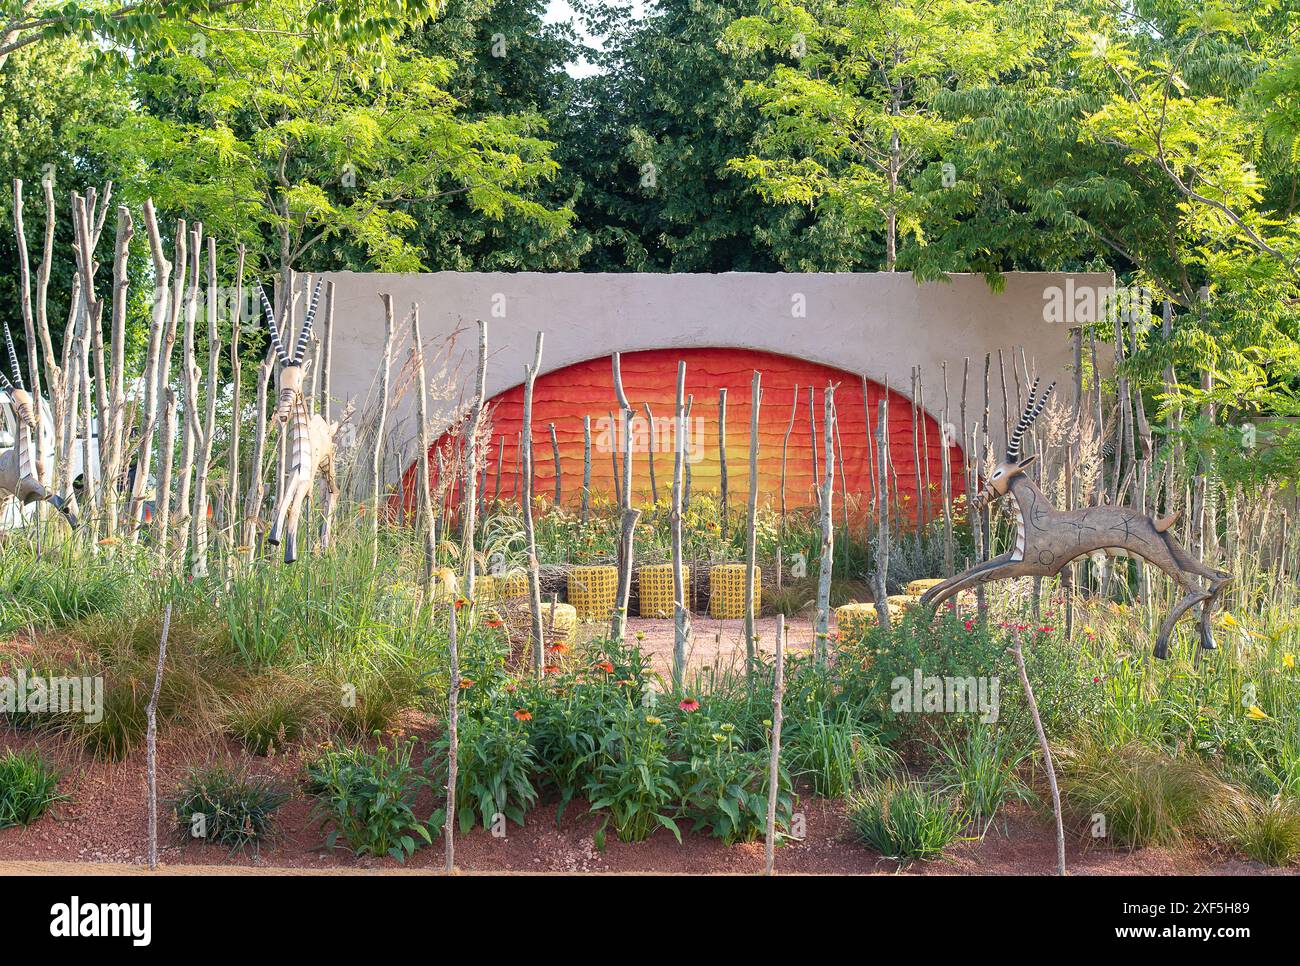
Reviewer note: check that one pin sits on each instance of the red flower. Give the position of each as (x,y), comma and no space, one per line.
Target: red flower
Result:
(461,602)
(523,715)
(970,625)
(466,683)
(688,705)
(605,666)
(551,669)
(494,623)
(560,648)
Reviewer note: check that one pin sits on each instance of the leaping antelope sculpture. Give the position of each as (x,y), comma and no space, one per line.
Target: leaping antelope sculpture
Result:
(311,438)
(1047,539)
(19,466)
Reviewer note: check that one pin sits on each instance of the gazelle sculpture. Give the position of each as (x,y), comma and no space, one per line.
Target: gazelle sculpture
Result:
(1047,539)
(311,438)
(18,465)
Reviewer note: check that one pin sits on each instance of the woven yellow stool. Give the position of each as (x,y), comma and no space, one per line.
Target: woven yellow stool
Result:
(727,590)
(919,587)
(514,584)
(592,591)
(566,622)
(904,601)
(854,619)
(656,583)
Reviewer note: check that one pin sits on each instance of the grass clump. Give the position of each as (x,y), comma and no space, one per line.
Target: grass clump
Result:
(272,712)
(1145,796)
(29,786)
(903,819)
(1264,829)
(227,807)
(981,767)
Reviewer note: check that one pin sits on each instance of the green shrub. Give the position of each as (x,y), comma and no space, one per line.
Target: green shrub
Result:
(904,820)
(495,768)
(367,799)
(981,768)
(237,810)
(1264,829)
(29,786)
(725,788)
(272,712)
(832,748)
(1145,796)
(631,776)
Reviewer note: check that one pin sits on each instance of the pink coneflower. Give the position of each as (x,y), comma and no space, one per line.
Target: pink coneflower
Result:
(688,705)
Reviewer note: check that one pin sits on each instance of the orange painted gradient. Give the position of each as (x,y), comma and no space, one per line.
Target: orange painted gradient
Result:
(565,396)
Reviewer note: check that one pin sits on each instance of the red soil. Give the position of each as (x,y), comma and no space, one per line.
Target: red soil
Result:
(105,822)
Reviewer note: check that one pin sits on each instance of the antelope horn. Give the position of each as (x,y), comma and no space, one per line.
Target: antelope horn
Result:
(5,384)
(1032,412)
(305,335)
(13,358)
(275,329)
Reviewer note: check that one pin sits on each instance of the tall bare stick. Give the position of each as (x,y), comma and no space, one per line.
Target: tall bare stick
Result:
(722,461)
(376,457)
(823,618)
(681,616)
(425,496)
(453,737)
(618,621)
(751,542)
(530,533)
(774,758)
(151,738)
(469,496)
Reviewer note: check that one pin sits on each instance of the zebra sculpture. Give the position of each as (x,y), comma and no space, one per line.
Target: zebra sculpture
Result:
(1047,539)
(20,467)
(311,438)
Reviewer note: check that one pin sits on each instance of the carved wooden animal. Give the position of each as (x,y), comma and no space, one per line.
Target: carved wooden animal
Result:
(19,465)
(311,439)
(1047,539)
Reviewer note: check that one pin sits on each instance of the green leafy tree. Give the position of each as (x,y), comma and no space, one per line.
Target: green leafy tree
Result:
(281,139)
(853,120)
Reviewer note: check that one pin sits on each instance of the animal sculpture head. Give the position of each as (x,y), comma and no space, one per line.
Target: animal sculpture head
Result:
(999,481)
(16,390)
(289,382)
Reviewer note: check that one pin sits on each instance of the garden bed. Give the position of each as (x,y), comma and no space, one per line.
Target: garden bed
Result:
(104,822)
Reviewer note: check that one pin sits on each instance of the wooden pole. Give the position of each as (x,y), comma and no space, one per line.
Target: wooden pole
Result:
(530,534)
(774,756)
(555,461)
(879,584)
(681,617)
(785,451)
(751,530)
(822,625)
(151,738)
(376,456)
(722,462)
(586,467)
(618,622)
(652,437)
(469,498)
(453,737)
(425,495)
(1047,752)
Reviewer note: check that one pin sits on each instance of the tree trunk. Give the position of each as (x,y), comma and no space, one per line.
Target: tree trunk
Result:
(469,498)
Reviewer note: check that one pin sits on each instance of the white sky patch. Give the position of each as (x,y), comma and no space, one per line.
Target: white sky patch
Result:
(559,11)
